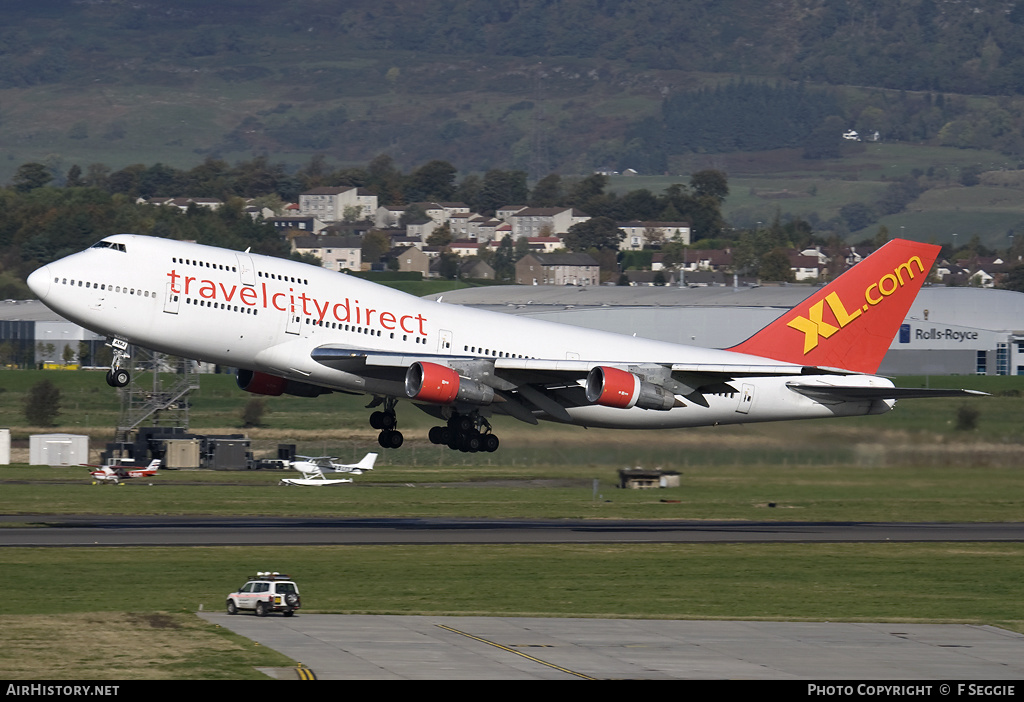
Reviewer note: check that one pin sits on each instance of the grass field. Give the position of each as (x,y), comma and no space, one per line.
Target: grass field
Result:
(912,464)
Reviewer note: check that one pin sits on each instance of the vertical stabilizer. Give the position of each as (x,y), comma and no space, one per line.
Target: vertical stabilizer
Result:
(851,322)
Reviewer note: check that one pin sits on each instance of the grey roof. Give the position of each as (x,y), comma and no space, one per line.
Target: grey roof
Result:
(621,296)
(979,308)
(27,311)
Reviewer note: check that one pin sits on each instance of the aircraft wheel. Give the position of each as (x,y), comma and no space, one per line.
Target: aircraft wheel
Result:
(118,378)
(377,420)
(390,439)
(490,443)
(436,435)
(472,443)
(461,423)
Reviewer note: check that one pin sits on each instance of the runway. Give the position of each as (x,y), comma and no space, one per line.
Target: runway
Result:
(84,530)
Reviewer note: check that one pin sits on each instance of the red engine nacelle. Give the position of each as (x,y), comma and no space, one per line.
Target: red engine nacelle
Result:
(266,384)
(441,385)
(612,387)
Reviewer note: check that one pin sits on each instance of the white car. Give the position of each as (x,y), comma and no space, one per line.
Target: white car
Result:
(265,593)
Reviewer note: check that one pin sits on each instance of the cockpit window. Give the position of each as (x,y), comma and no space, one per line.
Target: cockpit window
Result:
(109,245)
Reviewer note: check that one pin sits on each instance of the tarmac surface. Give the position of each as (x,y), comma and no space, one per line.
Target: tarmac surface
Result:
(115,530)
(361,647)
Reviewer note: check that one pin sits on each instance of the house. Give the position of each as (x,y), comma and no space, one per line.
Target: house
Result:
(464,247)
(338,204)
(545,244)
(641,234)
(477,269)
(336,253)
(806,267)
(506,212)
(308,225)
(390,216)
(701,260)
(182,203)
(557,269)
(412,258)
(545,221)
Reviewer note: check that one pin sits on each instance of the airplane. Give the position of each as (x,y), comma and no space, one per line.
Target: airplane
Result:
(328,464)
(293,328)
(313,476)
(115,471)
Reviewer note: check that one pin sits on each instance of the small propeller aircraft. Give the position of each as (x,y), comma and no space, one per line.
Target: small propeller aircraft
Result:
(116,471)
(314,467)
(329,464)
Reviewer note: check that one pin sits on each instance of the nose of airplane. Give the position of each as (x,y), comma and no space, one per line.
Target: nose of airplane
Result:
(39,282)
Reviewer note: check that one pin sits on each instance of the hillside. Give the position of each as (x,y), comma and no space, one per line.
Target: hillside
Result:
(536,85)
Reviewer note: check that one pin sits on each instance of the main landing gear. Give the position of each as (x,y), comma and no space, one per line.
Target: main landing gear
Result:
(468,433)
(386,421)
(463,432)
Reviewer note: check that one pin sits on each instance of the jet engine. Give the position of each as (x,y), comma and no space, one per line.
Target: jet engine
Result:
(266,384)
(432,382)
(612,387)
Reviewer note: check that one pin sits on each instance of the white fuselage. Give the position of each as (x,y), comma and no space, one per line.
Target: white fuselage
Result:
(268,314)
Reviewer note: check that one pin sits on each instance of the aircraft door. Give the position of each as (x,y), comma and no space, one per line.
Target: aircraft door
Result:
(444,341)
(294,324)
(246,272)
(171,300)
(746,399)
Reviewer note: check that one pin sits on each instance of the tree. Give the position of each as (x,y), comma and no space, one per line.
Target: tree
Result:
(710,183)
(441,236)
(502,188)
(547,192)
(432,181)
(505,260)
(31,176)
(775,266)
(600,233)
(376,243)
(42,404)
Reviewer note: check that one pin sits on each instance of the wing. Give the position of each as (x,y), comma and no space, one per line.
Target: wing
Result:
(526,388)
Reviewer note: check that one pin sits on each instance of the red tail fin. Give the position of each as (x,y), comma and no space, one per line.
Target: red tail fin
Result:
(851,322)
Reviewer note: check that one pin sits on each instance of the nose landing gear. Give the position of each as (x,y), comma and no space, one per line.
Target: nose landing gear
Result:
(118,377)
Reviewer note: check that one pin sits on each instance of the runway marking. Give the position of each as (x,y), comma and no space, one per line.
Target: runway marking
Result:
(518,653)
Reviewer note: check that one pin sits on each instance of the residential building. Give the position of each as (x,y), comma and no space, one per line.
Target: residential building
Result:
(333,204)
(412,258)
(641,234)
(336,253)
(545,221)
(557,269)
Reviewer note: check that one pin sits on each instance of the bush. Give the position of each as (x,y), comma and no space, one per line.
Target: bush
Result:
(967,418)
(42,404)
(252,414)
